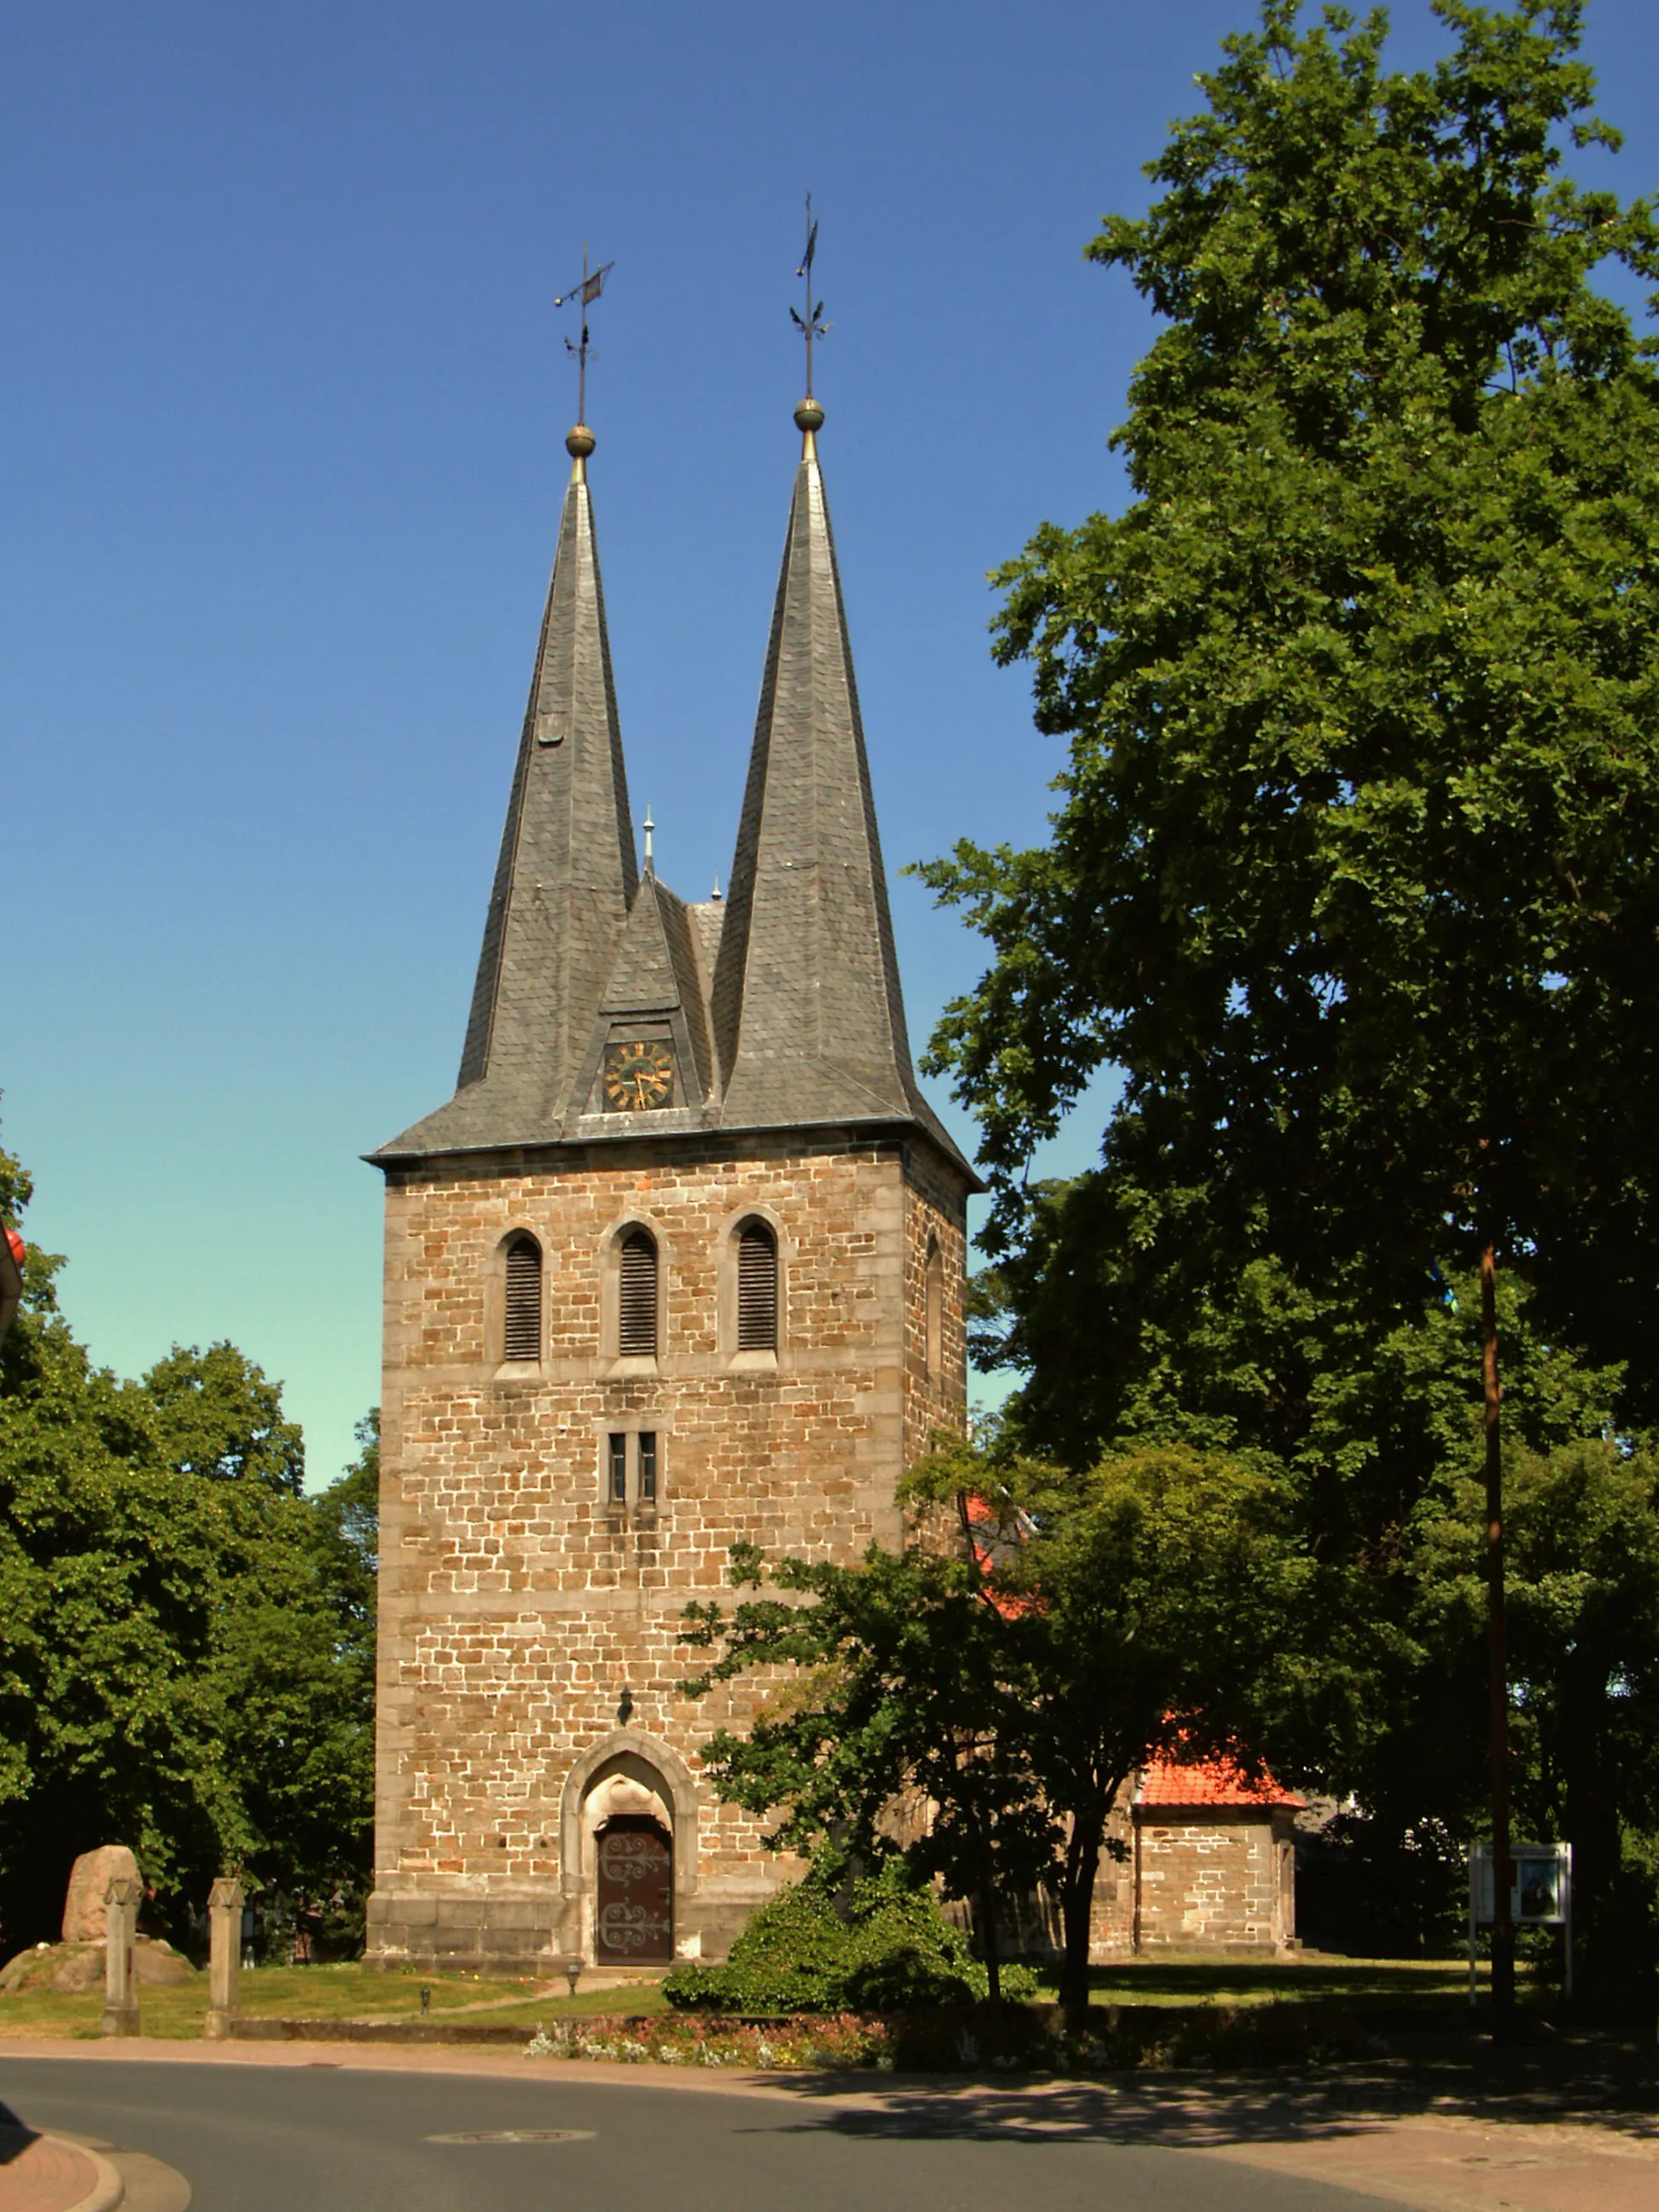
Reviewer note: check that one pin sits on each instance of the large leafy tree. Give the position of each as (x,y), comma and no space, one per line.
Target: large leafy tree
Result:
(1353,875)
(1353,872)
(903,1691)
(1014,1682)
(186,1637)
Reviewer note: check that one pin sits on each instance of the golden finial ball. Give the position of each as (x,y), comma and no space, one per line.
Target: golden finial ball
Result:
(809,415)
(579,443)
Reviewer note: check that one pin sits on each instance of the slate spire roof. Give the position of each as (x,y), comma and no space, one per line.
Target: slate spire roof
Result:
(566,876)
(782,1002)
(808,1016)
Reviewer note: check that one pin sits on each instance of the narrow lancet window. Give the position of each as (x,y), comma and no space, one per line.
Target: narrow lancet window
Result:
(636,1301)
(757,1288)
(935,1311)
(523,1338)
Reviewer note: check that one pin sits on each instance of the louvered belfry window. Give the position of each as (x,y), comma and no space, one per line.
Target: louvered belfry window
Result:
(757,1288)
(524,1299)
(636,1303)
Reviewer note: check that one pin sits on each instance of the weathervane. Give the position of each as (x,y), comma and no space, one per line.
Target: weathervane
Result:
(587,291)
(811,325)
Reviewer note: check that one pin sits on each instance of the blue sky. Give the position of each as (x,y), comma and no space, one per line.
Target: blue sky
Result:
(284,404)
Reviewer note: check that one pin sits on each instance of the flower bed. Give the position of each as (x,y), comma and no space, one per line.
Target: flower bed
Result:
(835,2042)
(1021,2039)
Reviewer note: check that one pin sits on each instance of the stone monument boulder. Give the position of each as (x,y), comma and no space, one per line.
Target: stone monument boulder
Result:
(76,1969)
(73,1973)
(89,1877)
(158,1966)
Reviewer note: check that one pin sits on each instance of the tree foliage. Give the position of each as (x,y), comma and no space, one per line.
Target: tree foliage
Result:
(1353,877)
(902,1692)
(1013,1683)
(185,1636)
(839,1941)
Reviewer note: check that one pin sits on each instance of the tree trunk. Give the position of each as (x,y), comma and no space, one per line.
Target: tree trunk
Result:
(1077,1902)
(1503,1929)
(989,1945)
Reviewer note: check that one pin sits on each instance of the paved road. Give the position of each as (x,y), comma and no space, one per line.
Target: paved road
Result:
(323,2138)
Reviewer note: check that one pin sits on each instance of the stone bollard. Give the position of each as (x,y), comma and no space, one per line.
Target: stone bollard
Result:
(120,1940)
(224,1955)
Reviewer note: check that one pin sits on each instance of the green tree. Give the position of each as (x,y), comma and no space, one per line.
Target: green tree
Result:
(1015,1682)
(1583,1551)
(1156,1604)
(1353,874)
(221,1419)
(293,1673)
(186,1637)
(905,1691)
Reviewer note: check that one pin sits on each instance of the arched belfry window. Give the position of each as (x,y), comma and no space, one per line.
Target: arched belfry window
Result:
(934,1315)
(522,1337)
(636,1296)
(757,1288)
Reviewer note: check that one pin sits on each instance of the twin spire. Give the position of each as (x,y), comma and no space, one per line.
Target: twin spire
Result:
(605,1006)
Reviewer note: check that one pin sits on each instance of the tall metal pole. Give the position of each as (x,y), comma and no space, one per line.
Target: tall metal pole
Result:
(581,351)
(585,293)
(811,325)
(807,303)
(1503,1927)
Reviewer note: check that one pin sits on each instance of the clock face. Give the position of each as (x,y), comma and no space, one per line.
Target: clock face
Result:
(638,1074)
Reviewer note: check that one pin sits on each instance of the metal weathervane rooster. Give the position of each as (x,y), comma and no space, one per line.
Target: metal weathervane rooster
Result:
(587,291)
(811,325)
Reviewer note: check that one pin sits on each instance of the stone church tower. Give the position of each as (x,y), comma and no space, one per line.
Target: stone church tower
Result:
(681,1262)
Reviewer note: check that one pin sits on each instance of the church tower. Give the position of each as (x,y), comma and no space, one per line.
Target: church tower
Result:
(681,1263)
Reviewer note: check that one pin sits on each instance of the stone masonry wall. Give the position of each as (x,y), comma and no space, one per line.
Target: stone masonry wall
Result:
(1217,1880)
(529,1626)
(934,1216)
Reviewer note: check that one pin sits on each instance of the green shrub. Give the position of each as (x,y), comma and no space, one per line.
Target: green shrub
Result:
(881,1945)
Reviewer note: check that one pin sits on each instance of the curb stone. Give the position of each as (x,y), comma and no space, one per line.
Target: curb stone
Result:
(46,2165)
(106,2193)
(149,2185)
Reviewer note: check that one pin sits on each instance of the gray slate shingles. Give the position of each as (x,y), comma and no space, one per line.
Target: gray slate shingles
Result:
(787,994)
(564,882)
(809,1017)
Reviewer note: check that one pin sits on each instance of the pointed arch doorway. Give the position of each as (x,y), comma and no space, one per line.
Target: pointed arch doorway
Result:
(631,1783)
(633,1904)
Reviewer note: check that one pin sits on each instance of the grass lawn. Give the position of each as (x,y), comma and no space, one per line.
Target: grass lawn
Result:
(636,1998)
(1317,1979)
(300,1993)
(356,1992)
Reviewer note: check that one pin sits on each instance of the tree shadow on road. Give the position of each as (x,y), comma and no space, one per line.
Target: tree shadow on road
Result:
(1184,2112)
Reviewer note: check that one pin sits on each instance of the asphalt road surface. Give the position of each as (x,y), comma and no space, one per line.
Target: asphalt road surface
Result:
(327,2138)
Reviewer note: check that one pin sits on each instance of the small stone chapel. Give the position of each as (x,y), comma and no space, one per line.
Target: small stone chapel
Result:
(682,1262)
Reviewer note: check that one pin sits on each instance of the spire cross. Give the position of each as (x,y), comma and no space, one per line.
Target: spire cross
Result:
(587,291)
(811,325)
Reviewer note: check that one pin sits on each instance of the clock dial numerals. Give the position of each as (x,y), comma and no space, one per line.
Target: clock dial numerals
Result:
(638,1074)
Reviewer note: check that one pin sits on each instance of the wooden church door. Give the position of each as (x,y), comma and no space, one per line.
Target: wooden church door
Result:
(636,1920)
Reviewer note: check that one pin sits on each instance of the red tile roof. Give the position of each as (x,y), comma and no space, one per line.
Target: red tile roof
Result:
(1209,1781)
